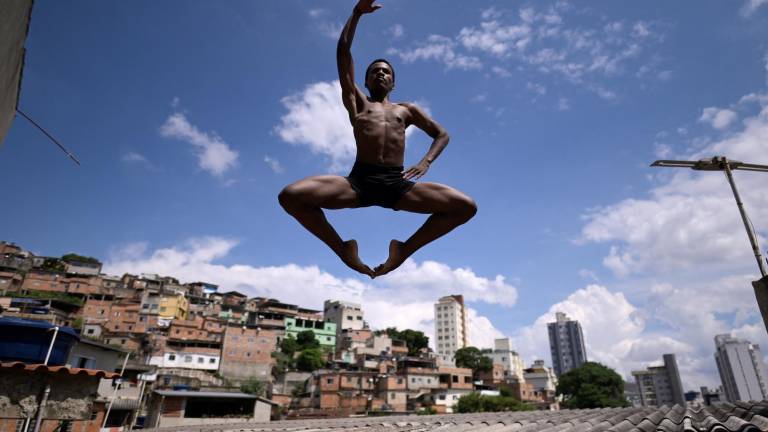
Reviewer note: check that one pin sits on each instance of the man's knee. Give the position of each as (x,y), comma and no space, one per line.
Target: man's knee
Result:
(467,208)
(290,198)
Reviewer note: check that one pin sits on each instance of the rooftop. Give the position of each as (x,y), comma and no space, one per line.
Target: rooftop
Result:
(41,368)
(742,417)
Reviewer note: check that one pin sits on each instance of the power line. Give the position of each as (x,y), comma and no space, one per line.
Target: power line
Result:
(68,153)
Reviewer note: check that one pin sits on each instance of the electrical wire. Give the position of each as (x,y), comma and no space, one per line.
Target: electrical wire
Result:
(67,152)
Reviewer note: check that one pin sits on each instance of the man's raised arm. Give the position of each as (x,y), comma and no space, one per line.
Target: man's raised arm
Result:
(349,92)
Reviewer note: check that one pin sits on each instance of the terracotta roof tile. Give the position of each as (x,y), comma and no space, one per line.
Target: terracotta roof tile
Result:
(59,369)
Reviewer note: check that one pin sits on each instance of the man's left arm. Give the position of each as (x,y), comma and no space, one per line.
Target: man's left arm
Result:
(439,136)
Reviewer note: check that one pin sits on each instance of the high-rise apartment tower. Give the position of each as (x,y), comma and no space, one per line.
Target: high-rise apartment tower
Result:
(741,368)
(450,327)
(566,343)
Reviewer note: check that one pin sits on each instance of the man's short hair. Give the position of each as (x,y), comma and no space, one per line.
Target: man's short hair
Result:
(380,60)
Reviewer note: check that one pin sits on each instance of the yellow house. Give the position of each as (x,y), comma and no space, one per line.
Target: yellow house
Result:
(174,307)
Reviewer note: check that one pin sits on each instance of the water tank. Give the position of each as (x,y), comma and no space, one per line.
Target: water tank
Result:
(28,341)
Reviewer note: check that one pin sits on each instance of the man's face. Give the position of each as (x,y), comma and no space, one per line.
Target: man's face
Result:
(380,78)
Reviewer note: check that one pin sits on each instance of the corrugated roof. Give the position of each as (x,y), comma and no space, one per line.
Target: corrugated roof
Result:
(59,369)
(200,394)
(725,417)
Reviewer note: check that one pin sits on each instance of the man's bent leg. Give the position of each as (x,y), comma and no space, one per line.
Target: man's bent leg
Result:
(305,201)
(449,208)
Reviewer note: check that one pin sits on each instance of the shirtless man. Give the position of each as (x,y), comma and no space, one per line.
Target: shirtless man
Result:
(377,178)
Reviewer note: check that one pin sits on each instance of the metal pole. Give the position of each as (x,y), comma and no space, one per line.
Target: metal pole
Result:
(114,393)
(50,347)
(744,218)
(138,408)
(41,407)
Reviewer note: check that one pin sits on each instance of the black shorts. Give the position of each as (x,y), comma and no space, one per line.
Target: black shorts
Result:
(378,185)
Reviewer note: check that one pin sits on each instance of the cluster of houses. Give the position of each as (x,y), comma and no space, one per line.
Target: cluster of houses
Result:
(183,350)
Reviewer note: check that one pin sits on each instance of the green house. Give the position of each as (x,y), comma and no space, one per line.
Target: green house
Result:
(325,332)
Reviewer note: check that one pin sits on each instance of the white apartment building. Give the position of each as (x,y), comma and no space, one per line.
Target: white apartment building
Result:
(741,369)
(503,355)
(450,327)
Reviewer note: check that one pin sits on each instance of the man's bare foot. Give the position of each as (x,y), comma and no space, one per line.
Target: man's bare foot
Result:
(350,257)
(396,257)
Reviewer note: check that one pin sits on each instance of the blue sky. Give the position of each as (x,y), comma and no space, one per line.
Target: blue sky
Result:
(189,117)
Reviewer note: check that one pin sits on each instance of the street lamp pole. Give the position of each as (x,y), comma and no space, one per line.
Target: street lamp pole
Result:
(721,163)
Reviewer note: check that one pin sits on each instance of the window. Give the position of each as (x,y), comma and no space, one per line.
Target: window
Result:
(455,378)
(349,318)
(399,380)
(89,331)
(328,338)
(329,380)
(171,357)
(163,309)
(248,354)
(187,359)
(359,318)
(213,360)
(349,379)
(200,359)
(441,397)
(154,306)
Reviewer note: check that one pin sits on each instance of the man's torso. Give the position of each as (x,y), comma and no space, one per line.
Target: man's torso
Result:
(379,130)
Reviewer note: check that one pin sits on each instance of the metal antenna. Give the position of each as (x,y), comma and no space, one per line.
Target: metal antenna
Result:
(68,153)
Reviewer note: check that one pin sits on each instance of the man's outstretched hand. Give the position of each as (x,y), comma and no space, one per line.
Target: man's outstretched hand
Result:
(366,6)
(417,171)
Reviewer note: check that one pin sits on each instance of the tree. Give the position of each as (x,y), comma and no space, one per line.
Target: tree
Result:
(306,339)
(472,358)
(310,360)
(592,385)
(475,402)
(254,386)
(289,346)
(53,265)
(414,339)
(70,257)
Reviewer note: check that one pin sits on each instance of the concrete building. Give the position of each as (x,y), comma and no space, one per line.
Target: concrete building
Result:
(71,405)
(566,344)
(14,25)
(741,369)
(450,327)
(325,332)
(346,316)
(169,408)
(503,355)
(542,377)
(247,353)
(660,385)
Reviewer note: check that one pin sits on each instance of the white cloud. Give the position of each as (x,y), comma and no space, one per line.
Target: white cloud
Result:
(274,164)
(683,252)
(563,104)
(329,29)
(139,159)
(396,31)
(317,119)
(717,118)
(609,322)
(438,48)
(403,298)
(750,6)
(214,155)
(539,40)
(537,88)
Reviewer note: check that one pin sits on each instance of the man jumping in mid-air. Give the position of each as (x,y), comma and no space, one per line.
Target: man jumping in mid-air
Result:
(377,178)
